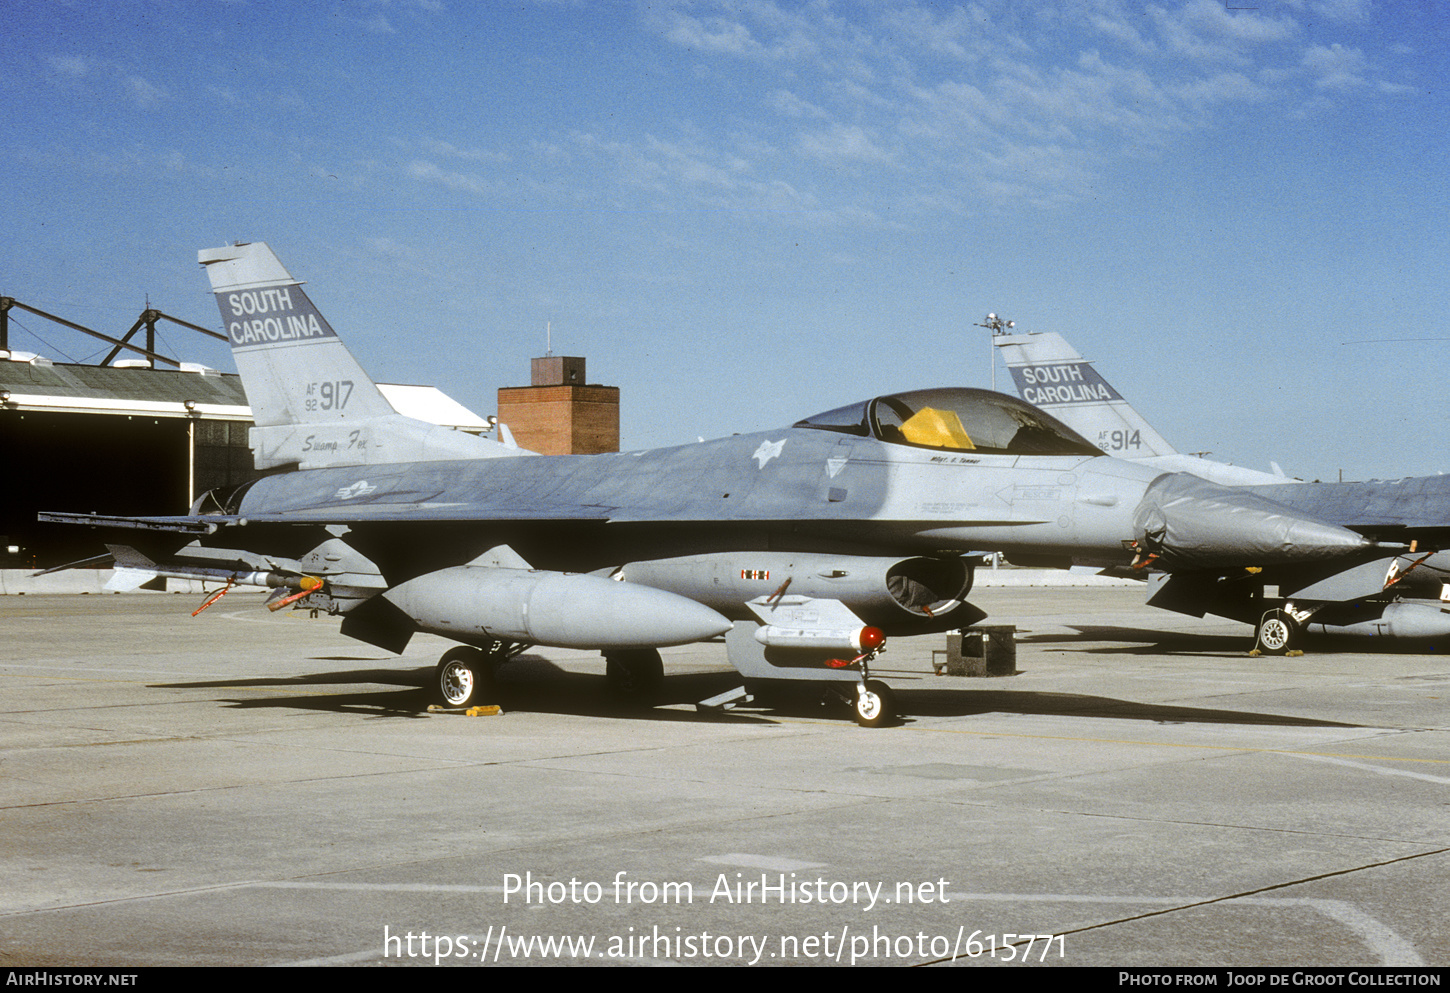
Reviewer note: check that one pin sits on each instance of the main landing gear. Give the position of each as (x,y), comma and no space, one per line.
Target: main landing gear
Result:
(465,675)
(634,675)
(1277,633)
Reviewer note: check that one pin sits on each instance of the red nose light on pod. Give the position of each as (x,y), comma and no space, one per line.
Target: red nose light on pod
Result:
(866,639)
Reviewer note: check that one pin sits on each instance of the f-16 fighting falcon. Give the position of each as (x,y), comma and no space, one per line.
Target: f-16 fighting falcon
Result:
(806,547)
(1392,597)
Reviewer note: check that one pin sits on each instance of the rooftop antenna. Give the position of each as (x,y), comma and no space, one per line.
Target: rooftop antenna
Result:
(549,339)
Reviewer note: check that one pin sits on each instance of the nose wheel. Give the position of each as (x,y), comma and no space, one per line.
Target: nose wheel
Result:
(875,704)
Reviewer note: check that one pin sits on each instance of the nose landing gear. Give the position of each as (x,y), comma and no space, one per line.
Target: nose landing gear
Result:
(874,704)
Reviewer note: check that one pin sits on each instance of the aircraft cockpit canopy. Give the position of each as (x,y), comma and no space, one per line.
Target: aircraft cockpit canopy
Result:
(956,419)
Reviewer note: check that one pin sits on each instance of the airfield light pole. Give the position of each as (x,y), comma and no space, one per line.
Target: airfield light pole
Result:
(997,326)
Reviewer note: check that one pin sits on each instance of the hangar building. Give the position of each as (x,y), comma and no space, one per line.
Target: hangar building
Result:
(122,439)
(131,439)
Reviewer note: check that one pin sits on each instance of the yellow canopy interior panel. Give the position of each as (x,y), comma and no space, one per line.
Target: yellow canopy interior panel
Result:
(937,428)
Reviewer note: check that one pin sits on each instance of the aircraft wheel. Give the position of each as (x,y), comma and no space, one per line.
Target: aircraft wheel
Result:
(462,677)
(1276,633)
(634,676)
(875,705)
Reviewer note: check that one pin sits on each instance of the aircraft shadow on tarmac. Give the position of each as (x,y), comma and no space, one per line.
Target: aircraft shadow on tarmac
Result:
(961,703)
(1146,642)
(1142,642)
(536,685)
(526,683)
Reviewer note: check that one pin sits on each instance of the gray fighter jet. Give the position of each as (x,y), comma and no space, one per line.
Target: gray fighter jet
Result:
(805,546)
(1391,597)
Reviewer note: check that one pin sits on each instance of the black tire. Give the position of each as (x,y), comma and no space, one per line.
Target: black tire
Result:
(1277,633)
(635,675)
(462,678)
(876,706)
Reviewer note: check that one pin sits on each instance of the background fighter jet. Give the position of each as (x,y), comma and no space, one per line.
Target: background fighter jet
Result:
(814,540)
(1050,374)
(1390,597)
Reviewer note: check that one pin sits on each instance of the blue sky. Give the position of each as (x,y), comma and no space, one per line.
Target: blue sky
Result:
(746,211)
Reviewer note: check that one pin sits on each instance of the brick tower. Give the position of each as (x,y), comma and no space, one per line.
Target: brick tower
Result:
(559,414)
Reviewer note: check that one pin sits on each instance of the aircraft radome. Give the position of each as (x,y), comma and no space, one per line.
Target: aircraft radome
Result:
(818,539)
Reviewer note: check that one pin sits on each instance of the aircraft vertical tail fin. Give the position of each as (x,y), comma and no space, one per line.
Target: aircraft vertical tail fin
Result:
(1050,374)
(312,403)
(295,368)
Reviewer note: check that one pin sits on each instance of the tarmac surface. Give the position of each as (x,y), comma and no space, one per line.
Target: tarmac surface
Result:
(244,788)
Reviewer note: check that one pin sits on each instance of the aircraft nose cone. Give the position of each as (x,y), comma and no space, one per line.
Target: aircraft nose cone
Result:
(1190,523)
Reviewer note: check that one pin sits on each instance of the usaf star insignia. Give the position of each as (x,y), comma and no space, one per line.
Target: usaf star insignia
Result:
(360,488)
(767,451)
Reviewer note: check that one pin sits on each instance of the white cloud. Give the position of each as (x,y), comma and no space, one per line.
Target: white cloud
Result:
(1336,67)
(842,144)
(1114,22)
(429,172)
(226,96)
(693,172)
(1343,10)
(791,105)
(70,65)
(145,95)
(757,29)
(468,154)
(1395,89)
(379,24)
(1203,29)
(959,33)
(941,106)
(714,34)
(1222,87)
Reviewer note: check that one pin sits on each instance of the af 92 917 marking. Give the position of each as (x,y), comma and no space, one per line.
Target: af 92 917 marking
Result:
(331,395)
